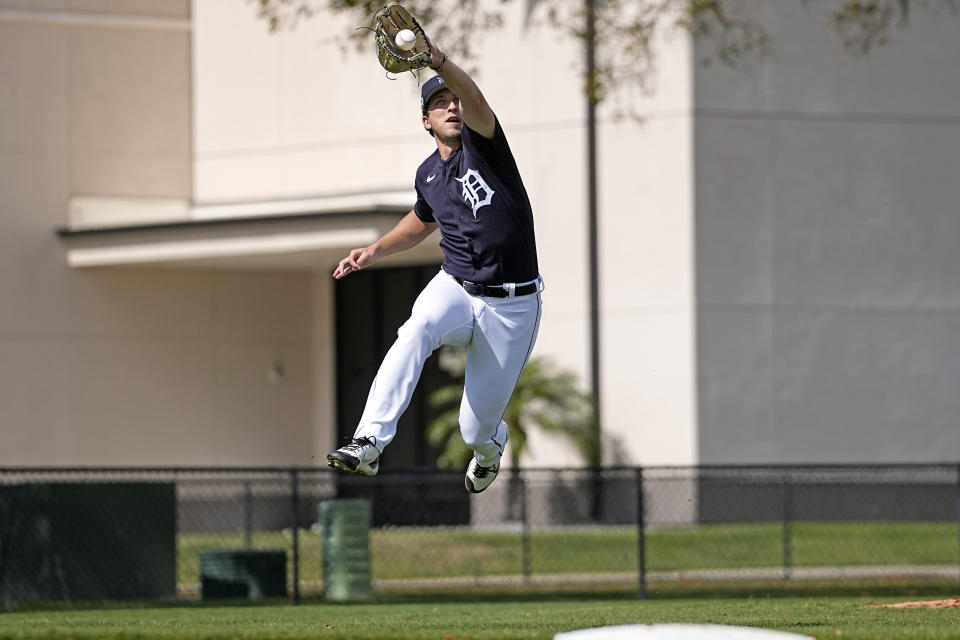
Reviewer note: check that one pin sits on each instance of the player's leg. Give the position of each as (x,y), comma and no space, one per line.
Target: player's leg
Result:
(504,336)
(442,314)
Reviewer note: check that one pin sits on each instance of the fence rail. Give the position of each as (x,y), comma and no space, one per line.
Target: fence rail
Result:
(132,533)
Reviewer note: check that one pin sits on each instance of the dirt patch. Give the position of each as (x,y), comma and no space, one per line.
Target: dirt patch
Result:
(950,603)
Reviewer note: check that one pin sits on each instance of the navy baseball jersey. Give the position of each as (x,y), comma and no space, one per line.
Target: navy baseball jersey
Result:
(480,205)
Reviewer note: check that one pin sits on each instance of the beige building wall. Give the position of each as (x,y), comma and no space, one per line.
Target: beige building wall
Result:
(127,366)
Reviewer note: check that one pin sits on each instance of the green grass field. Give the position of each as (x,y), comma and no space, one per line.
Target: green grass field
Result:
(822,609)
(404,553)
(833,618)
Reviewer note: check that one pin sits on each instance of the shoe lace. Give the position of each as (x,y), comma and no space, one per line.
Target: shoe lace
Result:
(356,445)
(482,471)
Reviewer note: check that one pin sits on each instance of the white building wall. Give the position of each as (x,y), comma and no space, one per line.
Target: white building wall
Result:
(646,236)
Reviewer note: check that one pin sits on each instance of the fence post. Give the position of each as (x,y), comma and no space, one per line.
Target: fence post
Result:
(295,507)
(785,499)
(525,525)
(958,521)
(641,539)
(247,515)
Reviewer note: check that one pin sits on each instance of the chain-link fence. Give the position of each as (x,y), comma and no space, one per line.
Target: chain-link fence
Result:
(71,535)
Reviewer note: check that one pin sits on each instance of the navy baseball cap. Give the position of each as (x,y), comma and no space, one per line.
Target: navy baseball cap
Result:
(429,88)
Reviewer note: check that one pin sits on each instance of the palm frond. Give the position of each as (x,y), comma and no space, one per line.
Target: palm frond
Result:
(546,397)
(445,396)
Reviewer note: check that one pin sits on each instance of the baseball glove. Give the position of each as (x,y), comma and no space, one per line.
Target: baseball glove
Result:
(387,22)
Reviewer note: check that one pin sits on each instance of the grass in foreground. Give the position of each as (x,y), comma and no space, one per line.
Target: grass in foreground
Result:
(847,618)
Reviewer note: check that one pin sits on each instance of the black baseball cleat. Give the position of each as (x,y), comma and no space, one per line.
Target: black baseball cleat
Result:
(479,477)
(360,455)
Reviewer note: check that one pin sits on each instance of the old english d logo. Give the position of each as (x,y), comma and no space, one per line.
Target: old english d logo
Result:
(476,192)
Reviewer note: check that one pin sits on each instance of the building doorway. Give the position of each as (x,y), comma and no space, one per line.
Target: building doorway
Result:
(371,306)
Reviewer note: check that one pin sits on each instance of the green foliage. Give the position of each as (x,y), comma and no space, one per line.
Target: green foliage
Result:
(625,30)
(865,24)
(459,24)
(545,396)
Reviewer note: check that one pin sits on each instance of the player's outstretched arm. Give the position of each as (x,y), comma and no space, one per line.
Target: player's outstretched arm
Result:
(474,109)
(409,232)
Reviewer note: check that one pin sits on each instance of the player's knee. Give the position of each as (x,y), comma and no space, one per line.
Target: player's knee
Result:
(419,330)
(472,435)
(489,437)
(472,442)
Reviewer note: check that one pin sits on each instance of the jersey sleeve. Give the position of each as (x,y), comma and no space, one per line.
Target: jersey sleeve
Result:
(421,208)
(495,150)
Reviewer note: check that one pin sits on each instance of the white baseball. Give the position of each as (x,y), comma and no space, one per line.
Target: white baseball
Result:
(406,39)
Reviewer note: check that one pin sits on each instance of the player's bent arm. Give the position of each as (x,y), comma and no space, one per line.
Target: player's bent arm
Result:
(474,109)
(409,232)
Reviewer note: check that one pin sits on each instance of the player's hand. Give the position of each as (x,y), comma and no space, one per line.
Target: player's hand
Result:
(437,57)
(357,259)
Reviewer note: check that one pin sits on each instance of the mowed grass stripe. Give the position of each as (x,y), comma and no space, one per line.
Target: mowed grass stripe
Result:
(846,618)
(411,553)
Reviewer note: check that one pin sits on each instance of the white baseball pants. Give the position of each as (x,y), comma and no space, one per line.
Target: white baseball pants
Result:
(499,334)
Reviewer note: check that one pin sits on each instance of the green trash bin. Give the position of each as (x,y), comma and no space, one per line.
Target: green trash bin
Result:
(243,573)
(345,543)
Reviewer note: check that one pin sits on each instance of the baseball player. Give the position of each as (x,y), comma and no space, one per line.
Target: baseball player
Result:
(485,297)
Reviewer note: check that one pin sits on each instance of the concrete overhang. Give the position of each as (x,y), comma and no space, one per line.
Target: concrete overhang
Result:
(302,234)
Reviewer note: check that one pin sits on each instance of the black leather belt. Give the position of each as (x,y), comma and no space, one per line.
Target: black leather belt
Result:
(497,290)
